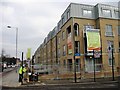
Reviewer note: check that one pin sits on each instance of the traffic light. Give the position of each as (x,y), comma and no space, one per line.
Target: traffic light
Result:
(85,43)
(32,60)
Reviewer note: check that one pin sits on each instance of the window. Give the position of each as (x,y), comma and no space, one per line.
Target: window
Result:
(63,35)
(54,43)
(119,46)
(110,61)
(64,49)
(76,28)
(59,40)
(116,14)
(68,14)
(77,47)
(69,30)
(58,52)
(69,66)
(54,54)
(107,13)
(58,27)
(88,27)
(69,40)
(63,19)
(64,63)
(108,31)
(111,43)
(87,13)
(118,30)
(77,65)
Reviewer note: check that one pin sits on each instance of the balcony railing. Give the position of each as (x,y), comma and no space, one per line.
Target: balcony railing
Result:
(108,33)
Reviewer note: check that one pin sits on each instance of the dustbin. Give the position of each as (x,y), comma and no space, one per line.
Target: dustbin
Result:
(35,77)
(30,76)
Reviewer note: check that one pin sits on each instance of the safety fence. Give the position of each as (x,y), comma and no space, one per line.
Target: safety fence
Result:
(67,72)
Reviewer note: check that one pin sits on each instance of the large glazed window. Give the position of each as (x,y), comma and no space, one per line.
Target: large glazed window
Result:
(118,30)
(64,50)
(76,28)
(107,13)
(68,14)
(77,47)
(88,27)
(63,35)
(87,13)
(108,30)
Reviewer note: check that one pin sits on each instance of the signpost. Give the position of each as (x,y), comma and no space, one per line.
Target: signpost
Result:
(111,56)
(94,64)
(77,54)
(22,67)
(97,54)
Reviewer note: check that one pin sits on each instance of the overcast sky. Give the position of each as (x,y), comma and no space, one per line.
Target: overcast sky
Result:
(34,19)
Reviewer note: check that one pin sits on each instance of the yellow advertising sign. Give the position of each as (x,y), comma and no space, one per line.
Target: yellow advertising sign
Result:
(28,55)
(93,40)
(69,44)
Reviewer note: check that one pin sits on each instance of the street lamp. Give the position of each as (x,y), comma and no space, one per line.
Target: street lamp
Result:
(16,38)
(111,55)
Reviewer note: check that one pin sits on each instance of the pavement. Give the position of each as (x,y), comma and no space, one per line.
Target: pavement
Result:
(11,80)
(72,86)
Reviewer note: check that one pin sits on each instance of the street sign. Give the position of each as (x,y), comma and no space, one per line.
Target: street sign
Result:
(77,54)
(96,54)
(109,49)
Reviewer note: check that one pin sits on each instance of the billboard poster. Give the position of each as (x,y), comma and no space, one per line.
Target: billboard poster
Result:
(28,54)
(69,43)
(93,40)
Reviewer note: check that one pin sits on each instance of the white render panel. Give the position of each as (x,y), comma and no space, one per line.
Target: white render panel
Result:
(101,7)
(77,10)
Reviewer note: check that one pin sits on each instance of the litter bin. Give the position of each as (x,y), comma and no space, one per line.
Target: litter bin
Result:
(33,77)
(30,76)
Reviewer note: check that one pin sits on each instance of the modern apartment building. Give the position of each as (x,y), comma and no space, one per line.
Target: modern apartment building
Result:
(66,45)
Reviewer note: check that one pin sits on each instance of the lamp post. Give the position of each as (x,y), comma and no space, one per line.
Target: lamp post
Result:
(22,66)
(113,75)
(111,56)
(94,65)
(16,38)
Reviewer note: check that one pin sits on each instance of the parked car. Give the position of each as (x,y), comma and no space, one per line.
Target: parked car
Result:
(12,65)
(5,65)
(1,67)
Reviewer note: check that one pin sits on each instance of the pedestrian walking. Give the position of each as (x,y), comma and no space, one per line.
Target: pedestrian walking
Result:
(21,71)
(26,76)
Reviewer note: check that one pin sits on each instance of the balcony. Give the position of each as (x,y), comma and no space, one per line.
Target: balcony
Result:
(108,33)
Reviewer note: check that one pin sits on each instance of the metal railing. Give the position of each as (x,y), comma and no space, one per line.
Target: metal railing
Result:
(67,71)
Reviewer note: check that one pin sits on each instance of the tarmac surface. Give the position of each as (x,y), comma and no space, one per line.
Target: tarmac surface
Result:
(10,82)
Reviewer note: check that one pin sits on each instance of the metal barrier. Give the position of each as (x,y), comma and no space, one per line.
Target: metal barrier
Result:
(67,72)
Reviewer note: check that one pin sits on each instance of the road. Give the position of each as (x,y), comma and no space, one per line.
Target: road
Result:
(63,87)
